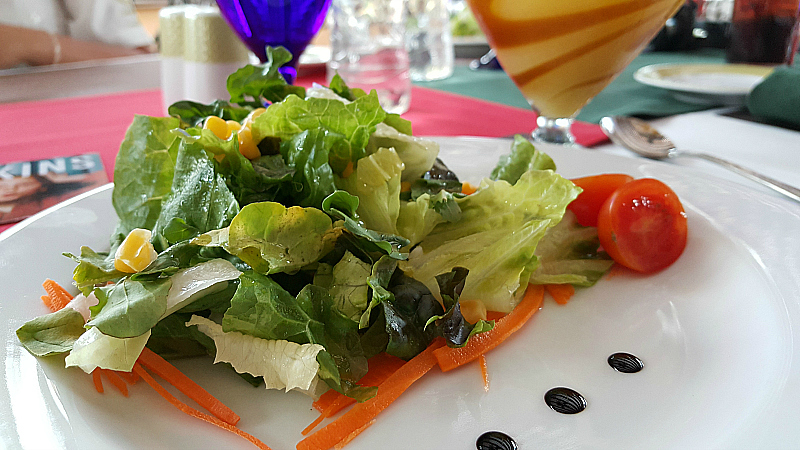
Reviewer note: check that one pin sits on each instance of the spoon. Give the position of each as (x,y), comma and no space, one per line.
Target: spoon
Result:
(639,137)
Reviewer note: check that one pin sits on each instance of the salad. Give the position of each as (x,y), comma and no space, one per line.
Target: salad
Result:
(307,239)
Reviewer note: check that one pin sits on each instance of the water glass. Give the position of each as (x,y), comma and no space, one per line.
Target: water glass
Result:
(428,39)
(368,49)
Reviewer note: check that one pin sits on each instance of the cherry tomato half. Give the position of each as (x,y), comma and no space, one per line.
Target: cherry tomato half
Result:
(596,189)
(642,225)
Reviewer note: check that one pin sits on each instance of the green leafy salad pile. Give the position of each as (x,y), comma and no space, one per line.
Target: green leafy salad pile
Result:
(347,237)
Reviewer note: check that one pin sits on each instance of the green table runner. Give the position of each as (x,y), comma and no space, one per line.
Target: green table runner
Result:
(623,96)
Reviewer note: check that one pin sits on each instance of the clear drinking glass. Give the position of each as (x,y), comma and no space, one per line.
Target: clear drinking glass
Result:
(561,53)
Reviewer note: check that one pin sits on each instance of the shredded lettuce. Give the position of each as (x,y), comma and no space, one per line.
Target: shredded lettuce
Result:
(283,364)
(95,349)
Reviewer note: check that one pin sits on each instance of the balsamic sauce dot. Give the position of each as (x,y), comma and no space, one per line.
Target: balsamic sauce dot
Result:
(565,400)
(625,362)
(495,440)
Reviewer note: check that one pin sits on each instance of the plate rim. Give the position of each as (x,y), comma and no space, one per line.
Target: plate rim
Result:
(650,75)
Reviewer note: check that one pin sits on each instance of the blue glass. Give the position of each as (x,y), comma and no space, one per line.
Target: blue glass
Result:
(290,23)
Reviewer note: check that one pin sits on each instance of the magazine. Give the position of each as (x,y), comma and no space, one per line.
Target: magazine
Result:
(30,186)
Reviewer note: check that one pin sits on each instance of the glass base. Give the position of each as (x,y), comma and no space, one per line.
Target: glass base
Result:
(554,131)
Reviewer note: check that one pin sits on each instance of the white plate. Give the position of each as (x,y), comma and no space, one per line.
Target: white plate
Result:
(726,84)
(315,56)
(715,331)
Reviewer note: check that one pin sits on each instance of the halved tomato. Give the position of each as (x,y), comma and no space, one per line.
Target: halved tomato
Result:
(642,225)
(596,189)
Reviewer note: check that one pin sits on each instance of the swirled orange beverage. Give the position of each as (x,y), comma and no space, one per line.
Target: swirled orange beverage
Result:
(561,53)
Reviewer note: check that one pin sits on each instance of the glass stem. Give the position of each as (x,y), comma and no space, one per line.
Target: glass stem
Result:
(556,131)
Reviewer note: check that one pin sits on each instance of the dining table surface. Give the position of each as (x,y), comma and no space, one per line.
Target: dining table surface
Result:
(86,107)
(82,108)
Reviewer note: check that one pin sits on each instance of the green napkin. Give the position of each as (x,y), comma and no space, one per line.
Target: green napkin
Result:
(777,98)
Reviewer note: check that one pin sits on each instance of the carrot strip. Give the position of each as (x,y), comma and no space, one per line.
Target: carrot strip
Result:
(98,383)
(137,368)
(353,421)
(380,367)
(59,297)
(115,380)
(484,372)
(175,377)
(49,303)
(130,377)
(314,424)
(561,293)
(331,402)
(450,358)
(494,315)
(353,435)
(468,189)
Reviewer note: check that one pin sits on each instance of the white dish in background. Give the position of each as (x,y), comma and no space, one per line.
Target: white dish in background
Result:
(715,332)
(721,84)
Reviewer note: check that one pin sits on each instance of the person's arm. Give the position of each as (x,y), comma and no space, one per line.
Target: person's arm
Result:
(37,48)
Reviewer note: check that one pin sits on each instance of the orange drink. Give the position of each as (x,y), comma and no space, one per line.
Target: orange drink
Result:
(561,53)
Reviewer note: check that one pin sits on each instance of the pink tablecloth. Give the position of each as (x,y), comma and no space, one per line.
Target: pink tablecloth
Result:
(64,127)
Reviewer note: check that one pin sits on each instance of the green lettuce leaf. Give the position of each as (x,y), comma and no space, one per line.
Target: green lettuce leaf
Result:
(523,157)
(309,153)
(263,81)
(347,284)
(272,238)
(406,310)
(569,253)
(376,183)
(343,206)
(451,325)
(93,268)
(417,154)
(129,308)
(496,237)
(52,333)
(194,113)
(263,179)
(143,171)
(418,218)
(200,199)
(356,121)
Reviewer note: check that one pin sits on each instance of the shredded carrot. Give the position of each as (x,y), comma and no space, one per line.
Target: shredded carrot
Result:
(359,416)
(98,383)
(450,358)
(484,372)
(175,377)
(59,297)
(494,315)
(48,302)
(468,189)
(137,368)
(114,379)
(561,293)
(130,377)
(381,366)
(348,170)
(353,435)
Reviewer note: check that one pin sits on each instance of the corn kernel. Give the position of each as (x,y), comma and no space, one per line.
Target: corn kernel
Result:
(233,126)
(136,252)
(247,147)
(218,127)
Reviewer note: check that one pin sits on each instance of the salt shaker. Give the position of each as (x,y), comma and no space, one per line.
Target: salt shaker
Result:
(429,40)
(368,49)
(171,51)
(211,53)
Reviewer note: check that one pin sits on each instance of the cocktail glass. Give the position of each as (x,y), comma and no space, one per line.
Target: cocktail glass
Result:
(290,23)
(561,53)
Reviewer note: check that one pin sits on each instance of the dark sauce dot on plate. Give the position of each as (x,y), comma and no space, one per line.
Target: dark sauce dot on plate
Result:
(625,362)
(495,440)
(565,400)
